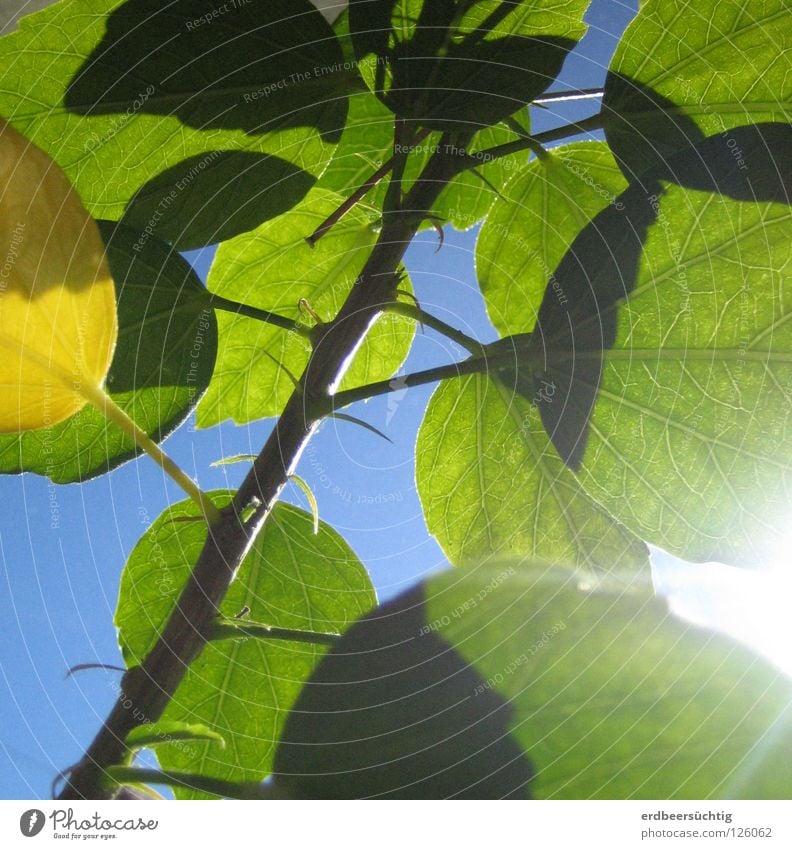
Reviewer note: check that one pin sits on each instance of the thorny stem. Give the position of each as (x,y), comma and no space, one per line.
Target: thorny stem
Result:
(220,303)
(475,365)
(413,311)
(593,122)
(358,195)
(147,689)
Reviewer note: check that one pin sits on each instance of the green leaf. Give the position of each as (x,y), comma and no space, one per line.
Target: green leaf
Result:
(160,733)
(683,72)
(687,444)
(392,715)
(367,143)
(241,689)
(233,192)
(462,66)
(491,484)
(194,129)
(273,268)
(469,196)
(167,343)
(530,228)
(608,695)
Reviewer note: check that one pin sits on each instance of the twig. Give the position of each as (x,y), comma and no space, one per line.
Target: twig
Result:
(534,143)
(189,781)
(415,312)
(220,303)
(358,195)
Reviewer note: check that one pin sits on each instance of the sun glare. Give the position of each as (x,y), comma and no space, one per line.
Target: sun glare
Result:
(751,606)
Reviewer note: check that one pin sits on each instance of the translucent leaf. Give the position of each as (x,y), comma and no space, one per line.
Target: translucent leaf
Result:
(241,689)
(666,334)
(167,342)
(528,684)
(534,222)
(57,300)
(491,484)
(683,71)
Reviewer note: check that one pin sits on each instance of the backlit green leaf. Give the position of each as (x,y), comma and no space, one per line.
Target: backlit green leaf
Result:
(685,70)
(491,484)
(530,228)
(273,268)
(193,125)
(674,326)
(241,689)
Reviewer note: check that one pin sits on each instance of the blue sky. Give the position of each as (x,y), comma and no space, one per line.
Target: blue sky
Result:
(62,549)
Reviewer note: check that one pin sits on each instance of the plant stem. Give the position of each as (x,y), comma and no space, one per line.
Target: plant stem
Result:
(593,122)
(147,689)
(220,303)
(393,194)
(408,381)
(487,362)
(413,311)
(113,413)
(358,195)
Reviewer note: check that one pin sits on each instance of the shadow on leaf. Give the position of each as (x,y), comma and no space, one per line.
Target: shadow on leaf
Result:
(444,81)
(560,366)
(393,712)
(216,195)
(250,67)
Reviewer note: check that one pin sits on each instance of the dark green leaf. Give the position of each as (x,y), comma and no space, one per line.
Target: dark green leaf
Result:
(202,62)
(211,122)
(462,65)
(218,194)
(607,695)
(241,689)
(390,713)
(164,357)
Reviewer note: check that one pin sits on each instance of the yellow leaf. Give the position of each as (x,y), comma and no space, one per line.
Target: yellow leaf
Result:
(57,301)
